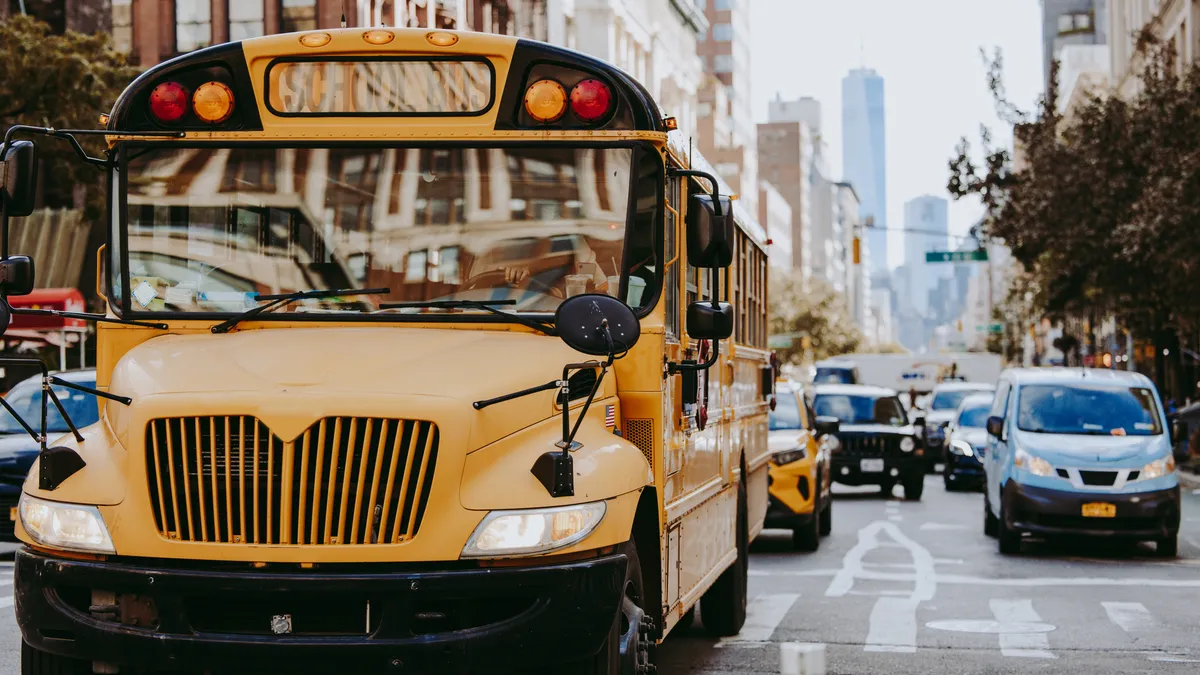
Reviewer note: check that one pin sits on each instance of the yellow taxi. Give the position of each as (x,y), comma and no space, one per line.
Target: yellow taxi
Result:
(800,477)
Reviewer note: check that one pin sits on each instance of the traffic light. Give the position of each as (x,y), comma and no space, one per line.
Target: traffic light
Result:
(857,251)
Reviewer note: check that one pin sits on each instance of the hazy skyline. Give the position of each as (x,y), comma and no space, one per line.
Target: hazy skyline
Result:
(927,51)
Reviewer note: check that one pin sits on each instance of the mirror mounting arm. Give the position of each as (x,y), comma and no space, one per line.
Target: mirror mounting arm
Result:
(69,135)
(685,366)
(716,190)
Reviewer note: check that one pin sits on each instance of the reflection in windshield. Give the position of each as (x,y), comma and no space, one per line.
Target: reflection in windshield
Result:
(860,409)
(210,229)
(975,418)
(1055,409)
(949,400)
(26,399)
(786,414)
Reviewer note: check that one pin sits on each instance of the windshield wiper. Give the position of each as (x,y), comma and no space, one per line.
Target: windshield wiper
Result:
(484,305)
(274,301)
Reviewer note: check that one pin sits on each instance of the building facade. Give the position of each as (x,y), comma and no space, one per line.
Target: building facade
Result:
(857,281)
(1170,21)
(725,52)
(922,297)
(775,215)
(864,159)
(786,162)
(1071,22)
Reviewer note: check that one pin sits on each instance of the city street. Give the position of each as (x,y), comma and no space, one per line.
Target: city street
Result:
(904,587)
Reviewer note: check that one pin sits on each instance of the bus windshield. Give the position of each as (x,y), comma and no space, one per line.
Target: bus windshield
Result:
(211,228)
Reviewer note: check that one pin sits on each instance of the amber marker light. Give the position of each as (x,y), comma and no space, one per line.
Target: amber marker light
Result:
(213,102)
(315,39)
(440,39)
(379,37)
(670,123)
(545,100)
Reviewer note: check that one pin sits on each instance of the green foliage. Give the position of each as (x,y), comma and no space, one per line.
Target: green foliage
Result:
(1102,212)
(816,311)
(62,81)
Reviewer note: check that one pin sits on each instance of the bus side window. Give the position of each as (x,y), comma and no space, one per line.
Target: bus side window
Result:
(671,281)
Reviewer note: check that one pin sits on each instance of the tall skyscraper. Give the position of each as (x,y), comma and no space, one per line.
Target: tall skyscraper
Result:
(922,301)
(864,159)
(1071,22)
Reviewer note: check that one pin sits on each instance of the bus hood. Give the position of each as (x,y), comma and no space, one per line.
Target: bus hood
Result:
(342,371)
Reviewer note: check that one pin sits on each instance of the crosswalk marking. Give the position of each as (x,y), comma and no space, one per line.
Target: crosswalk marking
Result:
(763,616)
(1029,645)
(1132,617)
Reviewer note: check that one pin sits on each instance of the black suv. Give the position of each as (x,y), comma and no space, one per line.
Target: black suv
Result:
(876,443)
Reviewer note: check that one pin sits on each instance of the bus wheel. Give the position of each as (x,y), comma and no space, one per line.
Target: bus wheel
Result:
(723,607)
(629,648)
(34,662)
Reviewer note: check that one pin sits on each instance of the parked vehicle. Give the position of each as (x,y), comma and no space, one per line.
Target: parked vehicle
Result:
(18,450)
(836,371)
(966,442)
(941,410)
(800,477)
(876,442)
(1079,452)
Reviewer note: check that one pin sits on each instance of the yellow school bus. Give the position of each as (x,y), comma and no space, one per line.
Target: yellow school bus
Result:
(428,352)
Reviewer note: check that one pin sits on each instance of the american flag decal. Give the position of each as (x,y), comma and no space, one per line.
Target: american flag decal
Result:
(610,416)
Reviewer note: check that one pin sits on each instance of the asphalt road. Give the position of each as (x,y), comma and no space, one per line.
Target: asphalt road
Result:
(915,587)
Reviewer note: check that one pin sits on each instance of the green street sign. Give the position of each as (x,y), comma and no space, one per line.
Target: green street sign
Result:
(779,341)
(978,255)
(996,328)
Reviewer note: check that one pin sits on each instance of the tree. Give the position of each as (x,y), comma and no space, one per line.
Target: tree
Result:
(61,81)
(813,310)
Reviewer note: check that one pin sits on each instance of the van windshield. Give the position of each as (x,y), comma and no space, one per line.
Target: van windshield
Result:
(1100,411)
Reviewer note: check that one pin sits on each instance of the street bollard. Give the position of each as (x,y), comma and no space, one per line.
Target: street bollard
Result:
(801,659)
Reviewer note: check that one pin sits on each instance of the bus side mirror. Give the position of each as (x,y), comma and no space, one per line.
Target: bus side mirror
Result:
(16,275)
(18,178)
(707,320)
(709,235)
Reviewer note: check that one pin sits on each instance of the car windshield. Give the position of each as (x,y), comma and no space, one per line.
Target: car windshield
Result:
(974,417)
(1059,409)
(949,400)
(834,376)
(26,399)
(209,229)
(860,409)
(786,414)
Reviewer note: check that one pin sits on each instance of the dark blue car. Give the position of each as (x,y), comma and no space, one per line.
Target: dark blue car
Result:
(18,450)
(966,444)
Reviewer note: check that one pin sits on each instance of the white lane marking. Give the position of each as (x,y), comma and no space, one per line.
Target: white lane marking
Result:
(965,580)
(763,616)
(895,519)
(948,561)
(1034,645)
(1172,659)
(896,502)
(893,626)
(6,601)
(1132,617)
(990,626)
(941,526)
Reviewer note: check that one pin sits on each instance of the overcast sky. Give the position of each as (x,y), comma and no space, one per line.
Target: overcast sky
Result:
(927,52)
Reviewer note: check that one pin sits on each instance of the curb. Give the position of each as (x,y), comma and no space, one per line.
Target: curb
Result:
(1188,479)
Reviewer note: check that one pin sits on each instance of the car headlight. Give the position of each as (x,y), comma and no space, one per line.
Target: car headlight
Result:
(788,456)
(1158,468)
(532,531)
(962,448)
(72,527)
(907,444)
(1034,465)
(834,443)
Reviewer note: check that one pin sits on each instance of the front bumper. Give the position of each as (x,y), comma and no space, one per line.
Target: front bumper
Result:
(848,469)
(427,620)
(963,469)
(1140,515)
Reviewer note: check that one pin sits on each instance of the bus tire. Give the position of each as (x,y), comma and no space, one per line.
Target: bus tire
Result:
(723,607)
(632,626)
(34,662)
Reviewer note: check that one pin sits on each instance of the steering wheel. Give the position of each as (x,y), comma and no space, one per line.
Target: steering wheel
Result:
(495,279)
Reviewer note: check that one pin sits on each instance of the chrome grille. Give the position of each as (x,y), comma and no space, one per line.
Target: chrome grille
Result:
(345,480)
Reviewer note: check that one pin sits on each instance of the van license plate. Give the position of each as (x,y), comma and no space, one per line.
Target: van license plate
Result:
(1100,510)
(871,465)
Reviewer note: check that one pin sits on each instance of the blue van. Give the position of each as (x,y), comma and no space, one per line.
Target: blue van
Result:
(1074,451)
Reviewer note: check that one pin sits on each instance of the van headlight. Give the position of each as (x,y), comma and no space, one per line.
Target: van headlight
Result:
(962,448)
(1158,468)
(532,531)
(907,444)
(1034,465)
(71,527)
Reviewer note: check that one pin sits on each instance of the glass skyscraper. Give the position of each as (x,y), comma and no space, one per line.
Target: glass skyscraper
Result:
(864,159)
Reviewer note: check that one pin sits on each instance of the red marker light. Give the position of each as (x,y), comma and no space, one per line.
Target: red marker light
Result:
(169,102)
(591,100)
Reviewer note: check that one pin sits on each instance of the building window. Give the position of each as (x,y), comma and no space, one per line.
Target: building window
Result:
(722,32)
(193,24)
(297,15)
(1074,22)
(245,19)
(723,63)
(723,4)
(122,25)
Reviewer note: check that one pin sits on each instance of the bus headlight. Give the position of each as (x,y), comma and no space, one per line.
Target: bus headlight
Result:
(907,444)
(962,448)
(1158,468)
(532,531)
(72,527)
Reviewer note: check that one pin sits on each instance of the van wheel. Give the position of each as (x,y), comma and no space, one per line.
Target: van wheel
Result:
(723,607)
(34,662)
(827,518)
(630,645)
(990,525)
(1009,538)
(1167,547)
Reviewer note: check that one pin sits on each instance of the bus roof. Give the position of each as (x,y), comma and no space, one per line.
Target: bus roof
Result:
(248,68)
